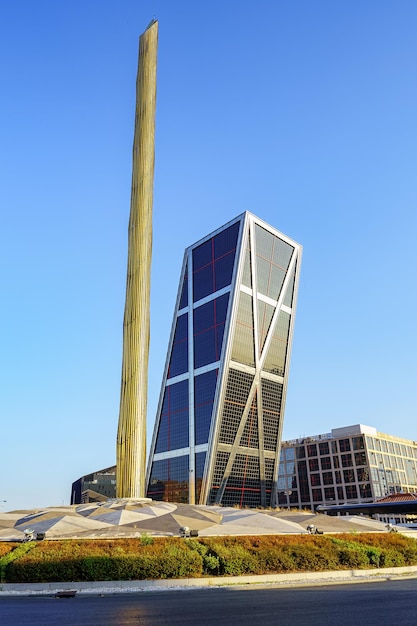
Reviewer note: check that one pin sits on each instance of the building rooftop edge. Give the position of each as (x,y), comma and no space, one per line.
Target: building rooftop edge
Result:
(240,217)
(346,431)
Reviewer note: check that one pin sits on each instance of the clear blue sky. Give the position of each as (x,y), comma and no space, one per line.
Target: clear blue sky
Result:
(303,112)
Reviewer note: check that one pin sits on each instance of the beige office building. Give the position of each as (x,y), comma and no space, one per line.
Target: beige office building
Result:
(354,464)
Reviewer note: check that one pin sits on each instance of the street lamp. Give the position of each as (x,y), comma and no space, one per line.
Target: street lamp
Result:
(288,493)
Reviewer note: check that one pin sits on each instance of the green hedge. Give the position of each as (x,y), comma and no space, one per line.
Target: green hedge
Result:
(172,557)
(69,561)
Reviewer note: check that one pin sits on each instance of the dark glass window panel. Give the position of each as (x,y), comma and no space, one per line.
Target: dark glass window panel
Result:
(344,445)
(200,459)
(334,447)
(302,468)
(315,480)
(363,474)
(360,458)
(169,480)
(213,262)
(219,340)
(358,443)
(349,475)
(346,460)
(301,452)
(173,431)
(317,495)
(178,468)
(303,481)
(336,462)
(312,449)
(329,493)
(178,396)
(181,331)
(203,422)
(340,493)
(209,321)
(184,291)
(324,447)
(351,492)
(223,271)
(293,497)
(326,463)
(179,359)
(221,305)
(365,491)
(205,348)
(204,390)
(203,317)
(313,465)
(226,240)
(210,314)
(203,255)
(203,283)
(158,479)
(338,477)
(179,355)
(327,478)
(282,498)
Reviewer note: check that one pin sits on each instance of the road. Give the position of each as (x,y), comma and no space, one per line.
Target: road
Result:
(379,603)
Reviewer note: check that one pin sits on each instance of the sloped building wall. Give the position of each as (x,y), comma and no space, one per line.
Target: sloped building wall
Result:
(218,429)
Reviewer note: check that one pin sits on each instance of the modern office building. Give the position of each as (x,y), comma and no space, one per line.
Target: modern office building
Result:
(219,421)
(95,487)
(354,464)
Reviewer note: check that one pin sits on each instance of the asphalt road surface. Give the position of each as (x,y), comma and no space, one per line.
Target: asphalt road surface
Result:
(390,603)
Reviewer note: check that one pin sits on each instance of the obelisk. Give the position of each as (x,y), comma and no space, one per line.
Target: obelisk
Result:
(131,434)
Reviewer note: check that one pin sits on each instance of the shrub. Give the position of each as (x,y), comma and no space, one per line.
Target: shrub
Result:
(11,556)
(310,558)
(6,547)
(161,560)
(273,560)
(392,558)
(146,539)
(233,558)
(172,557)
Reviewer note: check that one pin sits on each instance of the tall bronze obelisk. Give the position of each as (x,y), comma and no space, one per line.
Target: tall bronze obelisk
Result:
(131,434)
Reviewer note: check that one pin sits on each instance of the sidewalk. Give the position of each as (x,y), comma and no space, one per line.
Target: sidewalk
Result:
(136,586)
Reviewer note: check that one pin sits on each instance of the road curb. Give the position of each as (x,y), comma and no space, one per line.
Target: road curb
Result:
(135,586)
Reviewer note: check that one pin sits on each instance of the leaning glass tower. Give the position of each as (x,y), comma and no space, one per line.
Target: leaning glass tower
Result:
(218,428)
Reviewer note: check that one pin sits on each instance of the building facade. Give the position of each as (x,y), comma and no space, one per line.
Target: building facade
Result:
(354,464)
(95,487)
(219,422)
